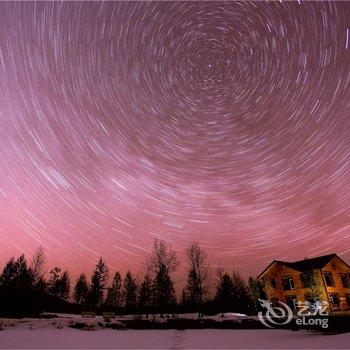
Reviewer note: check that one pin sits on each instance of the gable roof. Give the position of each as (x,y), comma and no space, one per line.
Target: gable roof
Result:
(306,264)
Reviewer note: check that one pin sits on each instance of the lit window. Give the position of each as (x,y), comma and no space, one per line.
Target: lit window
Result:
(288,282)
(329,278)
(345,280)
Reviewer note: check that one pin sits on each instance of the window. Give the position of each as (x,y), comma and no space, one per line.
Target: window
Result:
(329,278)
(345,280)
(273,282)
(334,299)
(288,282)
(291,301)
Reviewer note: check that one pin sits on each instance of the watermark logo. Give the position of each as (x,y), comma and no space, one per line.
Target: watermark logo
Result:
(308,314)
(275,316)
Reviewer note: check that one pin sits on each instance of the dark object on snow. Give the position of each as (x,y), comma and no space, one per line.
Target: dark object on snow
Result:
(88,314)
(26,302)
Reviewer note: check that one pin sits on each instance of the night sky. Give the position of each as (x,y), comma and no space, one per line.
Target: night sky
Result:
(228,123)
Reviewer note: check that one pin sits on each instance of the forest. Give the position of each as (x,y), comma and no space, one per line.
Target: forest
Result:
(26,290)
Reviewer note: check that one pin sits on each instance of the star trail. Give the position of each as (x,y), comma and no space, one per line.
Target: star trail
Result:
(226,122)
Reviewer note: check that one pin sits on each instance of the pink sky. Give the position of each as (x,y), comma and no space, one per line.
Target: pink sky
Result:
(124,122)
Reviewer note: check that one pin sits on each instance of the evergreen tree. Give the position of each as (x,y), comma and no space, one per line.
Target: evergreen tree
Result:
(162,262)
(81,290)
(99,281)
(40,285)
(145,294)
(64,285)
(16,274)
(163,290)
(240,295)
(9,274)
(114,292)
(224,293)
(59,285)
(54,281)
(129,291)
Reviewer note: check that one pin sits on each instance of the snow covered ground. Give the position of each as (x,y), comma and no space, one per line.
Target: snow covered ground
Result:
(55,334)
(68,338)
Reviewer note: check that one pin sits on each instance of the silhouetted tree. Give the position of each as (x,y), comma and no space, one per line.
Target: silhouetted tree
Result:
(16,274)
(240,296)
(99,280)
(162,262)
(145,294)
(53,283)
(81,290)
(198,275)
(114,292)
(41,285)
(163,290)
(9,273)
(192,289)
(59,285)
(224,292)
(129,291)
(64,285)
(37,269)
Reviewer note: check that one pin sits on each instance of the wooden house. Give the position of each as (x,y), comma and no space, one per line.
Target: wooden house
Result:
(323,278)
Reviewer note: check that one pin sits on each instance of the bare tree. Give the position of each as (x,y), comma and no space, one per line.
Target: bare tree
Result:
(162,257)
(198,275)
(37,266)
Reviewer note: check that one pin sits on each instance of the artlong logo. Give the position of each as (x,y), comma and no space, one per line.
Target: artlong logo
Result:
(283,314)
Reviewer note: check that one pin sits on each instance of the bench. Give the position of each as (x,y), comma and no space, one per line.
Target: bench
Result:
(87,314)
(108,315)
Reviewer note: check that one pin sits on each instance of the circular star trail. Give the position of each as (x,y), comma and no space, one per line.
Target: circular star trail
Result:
(222,122)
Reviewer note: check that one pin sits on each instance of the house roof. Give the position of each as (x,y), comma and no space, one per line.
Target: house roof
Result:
(306,264)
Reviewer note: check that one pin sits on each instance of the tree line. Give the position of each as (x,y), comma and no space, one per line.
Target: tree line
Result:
(154,292)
